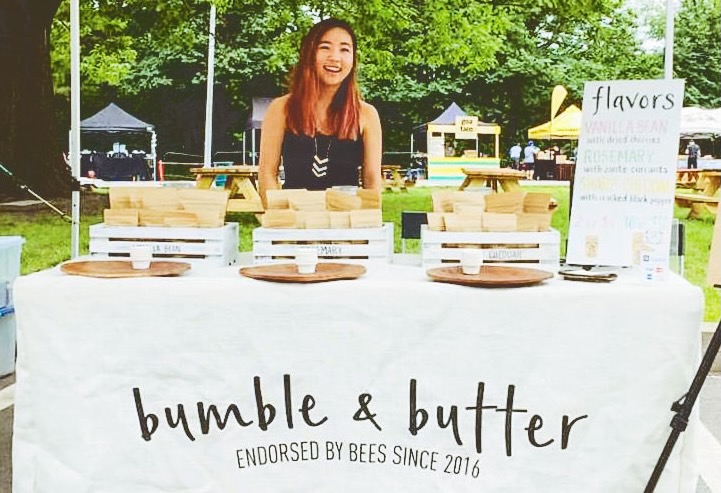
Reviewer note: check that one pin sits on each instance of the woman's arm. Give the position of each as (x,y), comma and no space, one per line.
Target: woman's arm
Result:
(372,147)
(271,142)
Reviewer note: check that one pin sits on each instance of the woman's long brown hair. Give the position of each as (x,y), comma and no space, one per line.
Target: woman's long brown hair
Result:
(344,111)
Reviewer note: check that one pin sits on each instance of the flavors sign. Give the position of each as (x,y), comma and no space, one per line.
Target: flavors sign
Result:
(626,173)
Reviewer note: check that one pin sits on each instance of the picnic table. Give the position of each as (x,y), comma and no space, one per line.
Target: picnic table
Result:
(392,177)
(240,181)
(686,178)
(506,178)
(707,196)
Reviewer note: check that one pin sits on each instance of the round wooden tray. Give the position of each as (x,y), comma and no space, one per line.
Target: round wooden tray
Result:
(122,268)
(326,271)
(491,276)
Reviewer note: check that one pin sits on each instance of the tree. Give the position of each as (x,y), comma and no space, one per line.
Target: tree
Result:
(498,59)
(29,144)
(697,51)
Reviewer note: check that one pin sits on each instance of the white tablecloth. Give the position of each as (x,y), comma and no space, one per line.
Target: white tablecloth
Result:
(99,361)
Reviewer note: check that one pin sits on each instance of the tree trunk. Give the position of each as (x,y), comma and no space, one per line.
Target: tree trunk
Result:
(29,143)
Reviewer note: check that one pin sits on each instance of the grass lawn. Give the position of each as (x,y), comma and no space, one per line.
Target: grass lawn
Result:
(48,236)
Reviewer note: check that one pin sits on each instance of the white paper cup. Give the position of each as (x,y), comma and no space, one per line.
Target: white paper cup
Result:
(471,261)
(140,256)
(306,258)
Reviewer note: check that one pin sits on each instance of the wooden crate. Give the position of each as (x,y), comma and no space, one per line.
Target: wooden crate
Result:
(272,245)
(524,249)
(216,246)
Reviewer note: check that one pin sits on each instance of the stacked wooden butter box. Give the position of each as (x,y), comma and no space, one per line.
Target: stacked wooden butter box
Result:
(172,207)
(343,225)
(511,228)
(183,224)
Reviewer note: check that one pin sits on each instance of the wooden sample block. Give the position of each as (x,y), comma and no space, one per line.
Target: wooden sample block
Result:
(508,202)
(542,219)
(150,217)
(537,202)
(278,199)
(210,219)
(180,219)
(313,219)
(526,222)
(461,208)
(203,201)
(366,218)
(126,198)
(279,218)
(120,217)
(463,222)
(468,198)
(371,199)
(161,199)
(340,201)
(493,221)
(339,219)
(308,201)
(436,221)
(442,201)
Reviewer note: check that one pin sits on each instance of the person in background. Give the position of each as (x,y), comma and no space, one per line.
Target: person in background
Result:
(693,150)
(322,132)
(529,158)
(515,154)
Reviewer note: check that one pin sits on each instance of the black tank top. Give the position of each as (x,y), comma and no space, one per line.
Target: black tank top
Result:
(345,158)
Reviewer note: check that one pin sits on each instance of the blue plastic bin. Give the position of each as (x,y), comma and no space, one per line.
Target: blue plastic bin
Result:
(10,254)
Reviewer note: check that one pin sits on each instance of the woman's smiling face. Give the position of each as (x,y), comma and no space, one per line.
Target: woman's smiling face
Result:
(334,57)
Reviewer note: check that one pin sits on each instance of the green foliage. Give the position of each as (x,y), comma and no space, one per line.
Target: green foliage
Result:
(497,60)
(697,51)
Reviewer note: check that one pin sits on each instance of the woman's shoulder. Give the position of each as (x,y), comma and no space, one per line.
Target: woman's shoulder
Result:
(368,110)
(275,113)
(279,103)
(368,116)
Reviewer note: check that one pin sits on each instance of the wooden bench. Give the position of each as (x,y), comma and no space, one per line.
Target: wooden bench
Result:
(697,204)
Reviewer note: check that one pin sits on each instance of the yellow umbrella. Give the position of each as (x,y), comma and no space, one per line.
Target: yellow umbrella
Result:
(565,126)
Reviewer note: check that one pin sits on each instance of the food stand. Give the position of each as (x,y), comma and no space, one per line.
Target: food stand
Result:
(106,366)
(456,124)
(565,126)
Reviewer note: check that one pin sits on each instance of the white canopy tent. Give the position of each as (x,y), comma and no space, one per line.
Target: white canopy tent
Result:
(700,123)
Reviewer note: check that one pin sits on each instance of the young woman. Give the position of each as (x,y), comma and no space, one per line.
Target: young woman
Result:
(322,132)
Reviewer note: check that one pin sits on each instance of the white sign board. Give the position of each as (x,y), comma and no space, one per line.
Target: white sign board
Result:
(625,173)
(466,127)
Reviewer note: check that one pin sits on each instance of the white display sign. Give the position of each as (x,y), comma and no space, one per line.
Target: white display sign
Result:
(626,174)
(466,127)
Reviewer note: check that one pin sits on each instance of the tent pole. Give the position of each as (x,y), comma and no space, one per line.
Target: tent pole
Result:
(668,50)
(209,90)
(244,132)
(75,124)
(153,146)
(253,144)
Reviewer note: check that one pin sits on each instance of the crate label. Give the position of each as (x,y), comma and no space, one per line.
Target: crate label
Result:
(503,255)
(330,250)
(161,248)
